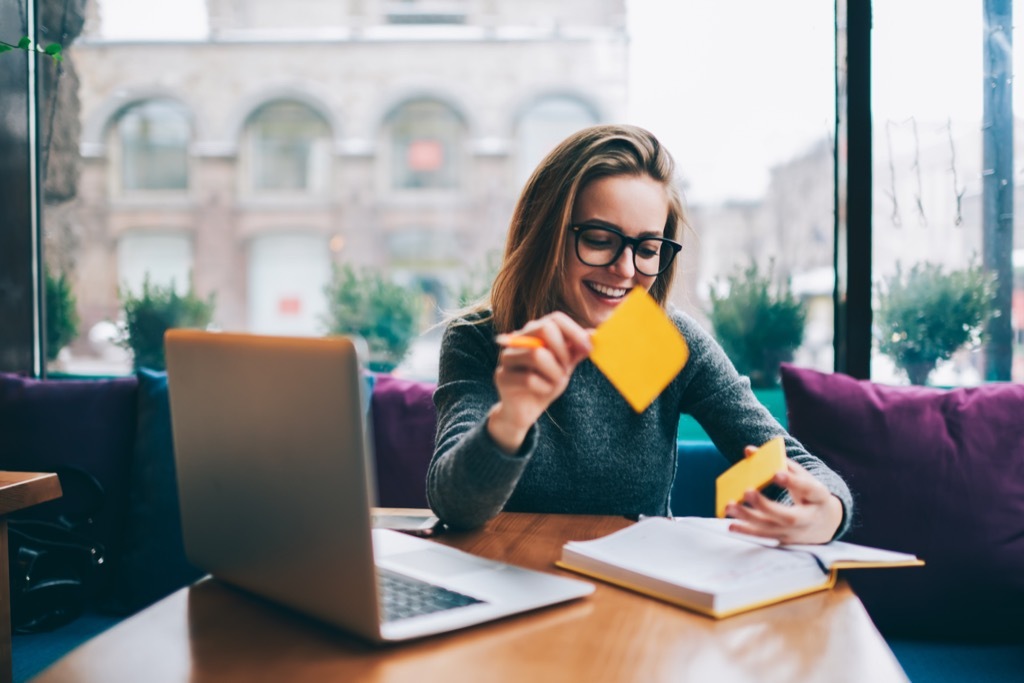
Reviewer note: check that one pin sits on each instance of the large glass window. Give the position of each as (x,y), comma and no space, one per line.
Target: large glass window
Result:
(947,193)
(336,173)
(426,138)
(288,147)
(153,139)
(745,103)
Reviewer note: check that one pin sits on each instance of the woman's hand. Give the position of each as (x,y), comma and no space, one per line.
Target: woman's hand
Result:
(814,516)
(529,380)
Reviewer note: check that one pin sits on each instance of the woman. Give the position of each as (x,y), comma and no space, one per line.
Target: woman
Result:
(541,429)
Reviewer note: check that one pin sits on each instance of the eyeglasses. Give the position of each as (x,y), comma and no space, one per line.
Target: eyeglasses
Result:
(599,246)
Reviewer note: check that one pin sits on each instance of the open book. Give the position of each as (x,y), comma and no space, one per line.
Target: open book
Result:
(699,564)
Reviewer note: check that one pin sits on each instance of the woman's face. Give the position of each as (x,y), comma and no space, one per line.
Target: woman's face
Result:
(637,206)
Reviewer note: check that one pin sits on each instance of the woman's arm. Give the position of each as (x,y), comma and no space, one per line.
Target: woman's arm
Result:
(488,405)
(722,402)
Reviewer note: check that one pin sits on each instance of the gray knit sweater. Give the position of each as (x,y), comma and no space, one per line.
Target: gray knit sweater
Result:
(590,453)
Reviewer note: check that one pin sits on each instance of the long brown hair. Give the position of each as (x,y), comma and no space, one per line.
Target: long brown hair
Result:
(529,283)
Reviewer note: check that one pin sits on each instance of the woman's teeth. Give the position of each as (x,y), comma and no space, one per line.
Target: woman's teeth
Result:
(603,290)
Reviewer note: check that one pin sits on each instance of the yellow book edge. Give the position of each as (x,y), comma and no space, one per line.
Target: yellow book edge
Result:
(829,582)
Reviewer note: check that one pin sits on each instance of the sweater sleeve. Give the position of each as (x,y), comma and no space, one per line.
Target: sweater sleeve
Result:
(470,478)
(721,400)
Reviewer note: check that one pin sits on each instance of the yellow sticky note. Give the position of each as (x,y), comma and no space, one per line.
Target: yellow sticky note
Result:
(754,472)
(639,349)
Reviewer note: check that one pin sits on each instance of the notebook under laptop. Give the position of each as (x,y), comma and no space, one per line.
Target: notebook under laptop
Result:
(271,451)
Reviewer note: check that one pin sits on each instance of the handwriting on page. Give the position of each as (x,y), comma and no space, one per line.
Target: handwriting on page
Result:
(639,349)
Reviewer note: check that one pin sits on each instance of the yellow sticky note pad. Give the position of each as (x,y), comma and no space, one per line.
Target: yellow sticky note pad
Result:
(754,472)
(639,349)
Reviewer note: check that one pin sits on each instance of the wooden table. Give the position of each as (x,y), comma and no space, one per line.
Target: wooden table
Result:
(210,632)
(18,490)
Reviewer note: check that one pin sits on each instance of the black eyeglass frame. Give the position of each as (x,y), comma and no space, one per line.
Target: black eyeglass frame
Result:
(624,241)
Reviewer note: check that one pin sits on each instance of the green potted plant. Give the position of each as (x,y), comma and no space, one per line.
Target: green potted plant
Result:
(927,314)
(62,319)
(155,310)
(383,313)
(759,325)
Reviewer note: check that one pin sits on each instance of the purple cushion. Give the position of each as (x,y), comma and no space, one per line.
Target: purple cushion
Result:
(404,424)
(939,473)
(47,425)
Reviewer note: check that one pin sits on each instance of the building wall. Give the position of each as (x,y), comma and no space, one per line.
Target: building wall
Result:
(348,64)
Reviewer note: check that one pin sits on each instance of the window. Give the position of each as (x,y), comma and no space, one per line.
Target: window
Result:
(153,139)
(163,258)
(288,149)
(287,276)
(425,11)
(545,124)
(426,139)
(947,153)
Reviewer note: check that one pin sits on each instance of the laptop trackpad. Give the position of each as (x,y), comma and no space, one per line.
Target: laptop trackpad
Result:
(439,562)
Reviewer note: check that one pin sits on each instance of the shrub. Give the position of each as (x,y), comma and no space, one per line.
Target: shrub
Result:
(927,315)
(381,312)
(758,327)
(61,314)
(156,310)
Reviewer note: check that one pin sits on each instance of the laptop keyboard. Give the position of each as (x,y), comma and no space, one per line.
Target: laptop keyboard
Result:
(403,597)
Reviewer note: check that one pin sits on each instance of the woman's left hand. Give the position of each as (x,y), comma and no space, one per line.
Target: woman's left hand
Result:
(814,516)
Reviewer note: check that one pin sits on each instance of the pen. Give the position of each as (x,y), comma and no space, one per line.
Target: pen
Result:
(519,341)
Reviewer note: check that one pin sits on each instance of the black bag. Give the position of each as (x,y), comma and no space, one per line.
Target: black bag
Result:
(54,565)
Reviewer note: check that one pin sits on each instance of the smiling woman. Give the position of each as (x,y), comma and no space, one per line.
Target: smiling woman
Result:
(539,428)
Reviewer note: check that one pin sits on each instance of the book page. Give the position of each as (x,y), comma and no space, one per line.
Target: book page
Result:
(698,558)
(839,551)
(828,553)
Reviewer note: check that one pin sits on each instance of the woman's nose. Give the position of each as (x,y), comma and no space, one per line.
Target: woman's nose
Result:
(624,265)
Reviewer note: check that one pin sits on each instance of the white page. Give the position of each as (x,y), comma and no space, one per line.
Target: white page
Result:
(829,553)
(693,556)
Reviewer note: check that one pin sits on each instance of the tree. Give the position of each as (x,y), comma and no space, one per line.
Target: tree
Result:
(758,327)
(383,313)
(156,310)
(928,314)
(61,314)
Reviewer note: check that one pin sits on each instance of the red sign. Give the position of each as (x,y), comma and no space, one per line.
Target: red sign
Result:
(425,155)
(289,305)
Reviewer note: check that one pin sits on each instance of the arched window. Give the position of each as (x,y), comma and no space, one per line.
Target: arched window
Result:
(288,149)
(546,123)
(152,139)
(427,146)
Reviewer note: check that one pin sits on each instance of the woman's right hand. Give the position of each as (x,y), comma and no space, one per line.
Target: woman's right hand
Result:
(530,379)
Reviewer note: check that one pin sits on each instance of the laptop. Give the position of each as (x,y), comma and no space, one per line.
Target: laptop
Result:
(272,454)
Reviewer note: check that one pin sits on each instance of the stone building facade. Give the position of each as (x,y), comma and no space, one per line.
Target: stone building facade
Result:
(298,135)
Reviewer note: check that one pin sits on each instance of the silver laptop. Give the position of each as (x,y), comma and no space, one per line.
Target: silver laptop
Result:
(274,474)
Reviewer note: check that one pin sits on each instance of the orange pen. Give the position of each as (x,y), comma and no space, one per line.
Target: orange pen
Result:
(519,341)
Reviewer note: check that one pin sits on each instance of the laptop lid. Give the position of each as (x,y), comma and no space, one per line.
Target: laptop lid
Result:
(271,457)
(275,486)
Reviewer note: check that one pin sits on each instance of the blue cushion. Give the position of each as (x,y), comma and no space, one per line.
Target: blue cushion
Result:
(951,662)
(698,465)
(153,563)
